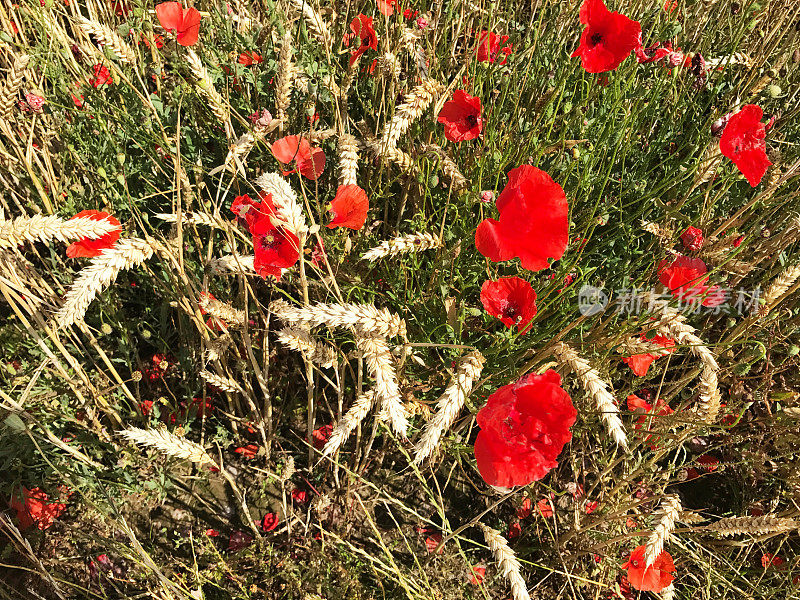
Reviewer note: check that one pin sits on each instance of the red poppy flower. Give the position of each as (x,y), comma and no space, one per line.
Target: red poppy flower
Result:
(590,506)
(510,299)
(386,7)
(477,575)
(743,142)
(525,509)
(489,46)
(269,522)
(212,533)
(248,451)
(349,207)
(34,507)
(102,76)
(770,560)
(248,58)
(362,29)
(432,541)
(545,508)
(321,435)
(121,7)
(461,117)
(640,363)
(685,278)
(514,530)
(524,426)
(275,249)
(90,248)
(173,17)
(692,238)
(608,39)
(310,162)
(533,222)
(651,54)
(299,496)
(653,578)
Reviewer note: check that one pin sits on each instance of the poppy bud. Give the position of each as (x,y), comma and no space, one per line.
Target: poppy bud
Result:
(774,91)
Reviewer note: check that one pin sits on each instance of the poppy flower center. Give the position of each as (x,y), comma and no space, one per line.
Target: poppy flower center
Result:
(511,310)
(471,120)
(365,41)
(269,241)
(596,38)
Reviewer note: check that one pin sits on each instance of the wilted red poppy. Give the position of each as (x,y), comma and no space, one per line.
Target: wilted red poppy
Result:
(640,363)
(310,162)
(477,575)
(692,238)
(461,117)
(533,222)
(349,207)
(685,278)
(743,142)
(490,45)
(269,522)
(653,578)
(525,509)
(510,299)
(90,248)
(650,54)
(321,435)
(608,39)
(173,17)
(239,540)
(362,28)
(432,541)
(249,451)
(102,76)
(249,58)
(545,508)
(524,426)
(514,530)
(708,463)
(33,507)
(386,7)
(299,496)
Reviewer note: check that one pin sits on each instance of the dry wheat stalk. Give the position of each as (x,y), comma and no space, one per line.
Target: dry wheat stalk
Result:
(207,89)
(409,38)
(668,513)
(223,383)
(707,166)
(632,346)
(221,310)
(751,525)
(195,218)
(348,159)
(449,167)
(778,288)
(662,233)
(389,66)
(379,363)
(168,443)
(402,244)
(314,22)
(288,212)
(450,404)
(302,341)
(101,272)
(414,104)
(218,346)
(232,263)
(8,93)
(40,228)
(285,76)
(737,58)
(668,593)
(366,319)
(507,561)
(108,37)
(349,422)
(597,388)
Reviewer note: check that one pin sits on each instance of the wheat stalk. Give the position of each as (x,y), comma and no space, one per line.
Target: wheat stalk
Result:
(415,103)
(402,244)
(450,404)
(8,94)
(101,272)
(669,512)
(195,218)
(389,66)
(223,383)
(778,288)
(314,22)
(168,443)
(662,233)
(449,167)
(379,363)
(633,346)
(208,91)
(751,525)
(349,422)
(108,37)
(232,263)
(221,310)
(288,212)
(303,342)
(597,388)
(285,76)
(365,318)
(348,160)
(40,228)
(218,346)
(507,561)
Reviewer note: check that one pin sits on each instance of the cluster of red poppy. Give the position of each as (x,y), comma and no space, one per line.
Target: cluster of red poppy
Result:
(33,507)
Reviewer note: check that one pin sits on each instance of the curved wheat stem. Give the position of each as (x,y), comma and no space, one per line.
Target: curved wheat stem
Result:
(450,404)
(302,341)
(168,443)
(101,272)
(348,160)
(379,363)
(668,513)
(349,422)
(40,228)
(507,561)
(8,93)
(288,211)
(414,104)
(366,319)
(597,388)
(108,37)
(402,244)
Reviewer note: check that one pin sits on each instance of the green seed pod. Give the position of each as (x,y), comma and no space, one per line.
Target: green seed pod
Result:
(576,152)
(102,172)
(793,350)
(120,179)
(121,158)
(774,91)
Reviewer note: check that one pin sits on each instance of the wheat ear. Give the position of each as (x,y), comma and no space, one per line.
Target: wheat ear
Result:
(349,422)
(195,218)
(216,347)
(668,513)
(449,166)
(208,91)
(664,234)
(302,341)
(288,212)
(597,388)
(8,94)
(232,263)
(285,76)
(365,318)
(507,561)
(389,66)
(40,228)
(450,404)
(708,164)
(110,38)
(101,272)
(314,22)
(778,288)
(418,99)
(223,383)
(221,310)
(168,443)
(633,346)
(379,363)
(402,244)
(751,525)
(348,159)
